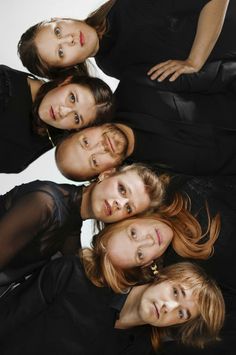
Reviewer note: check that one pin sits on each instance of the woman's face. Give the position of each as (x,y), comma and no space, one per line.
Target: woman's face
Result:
(63,42)
(139,243)
(118,197)
(69,106)
(167,303)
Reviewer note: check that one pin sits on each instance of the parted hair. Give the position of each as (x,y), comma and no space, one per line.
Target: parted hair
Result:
(31,59)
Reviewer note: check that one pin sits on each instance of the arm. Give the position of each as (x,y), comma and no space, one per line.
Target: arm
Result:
(22,223)
(34,295)
(210,22)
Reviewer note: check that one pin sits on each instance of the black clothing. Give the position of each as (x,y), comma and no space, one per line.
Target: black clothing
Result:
(19,144)
(38,219)
(220,192)
(152,31)
(186,132)
(59,311)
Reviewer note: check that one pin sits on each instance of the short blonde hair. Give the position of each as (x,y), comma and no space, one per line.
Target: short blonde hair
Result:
(207,325)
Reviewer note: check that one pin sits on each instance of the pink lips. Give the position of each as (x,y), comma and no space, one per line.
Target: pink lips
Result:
(108,210)
(81,39)
(158,237)
(52,115)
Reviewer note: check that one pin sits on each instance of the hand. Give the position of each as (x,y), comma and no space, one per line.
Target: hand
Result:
(172,67)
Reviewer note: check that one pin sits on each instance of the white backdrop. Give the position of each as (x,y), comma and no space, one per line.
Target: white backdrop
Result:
(15,17)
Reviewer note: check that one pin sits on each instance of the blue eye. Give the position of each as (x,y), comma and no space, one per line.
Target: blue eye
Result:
(122,189)
(72,97)
(175,291)
(60,53)
(57,31)
(181,314)
(77,118)
(133,233)
(128,208)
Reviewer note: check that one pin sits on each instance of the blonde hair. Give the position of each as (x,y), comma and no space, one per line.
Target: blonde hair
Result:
(210,302)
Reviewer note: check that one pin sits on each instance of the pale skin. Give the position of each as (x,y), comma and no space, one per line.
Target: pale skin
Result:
(207,34)
(115,197)
(161,305)
(67,106)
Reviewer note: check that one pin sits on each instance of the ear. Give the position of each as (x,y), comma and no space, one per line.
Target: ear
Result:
(105,174)
(66,81)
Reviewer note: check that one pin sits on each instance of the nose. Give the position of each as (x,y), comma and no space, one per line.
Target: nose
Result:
(170,306)
(119,204)
(64,111)
(144,237)
(69,39)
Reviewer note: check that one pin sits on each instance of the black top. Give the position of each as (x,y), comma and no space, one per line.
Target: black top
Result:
(220,193)
(186,132)
(59,311)
(152,31)
(19,145)
(36,220)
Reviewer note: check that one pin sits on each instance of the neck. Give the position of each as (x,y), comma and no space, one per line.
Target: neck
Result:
(34,85)
(86,208)
(129,315)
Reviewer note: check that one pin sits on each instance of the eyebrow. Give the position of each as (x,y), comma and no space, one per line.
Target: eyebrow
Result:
(77,100)
(129,191)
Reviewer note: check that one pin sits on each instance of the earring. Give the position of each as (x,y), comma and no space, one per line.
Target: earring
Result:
(154,269)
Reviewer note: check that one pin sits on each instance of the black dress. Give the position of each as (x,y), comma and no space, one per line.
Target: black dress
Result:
(152,31)
(59,311)
(220,192)
(188,131)
(19,145)
(38,219)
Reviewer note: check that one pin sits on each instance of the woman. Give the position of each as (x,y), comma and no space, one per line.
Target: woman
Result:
(40,218)
(176,229)
(75,317)
(39,112)
(161,30)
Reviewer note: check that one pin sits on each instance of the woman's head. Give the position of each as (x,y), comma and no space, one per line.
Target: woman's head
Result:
(125,192)
(51,45)
(73,103)
(191,299)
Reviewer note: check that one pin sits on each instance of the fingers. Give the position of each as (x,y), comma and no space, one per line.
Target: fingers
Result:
(171,68)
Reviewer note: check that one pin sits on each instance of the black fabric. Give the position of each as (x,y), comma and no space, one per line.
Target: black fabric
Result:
(36,220)
(220,192)
(152,31)
(59,311)
(192,133)
(19,145)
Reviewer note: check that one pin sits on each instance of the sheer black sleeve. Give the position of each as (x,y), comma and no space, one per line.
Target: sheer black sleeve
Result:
(26,220)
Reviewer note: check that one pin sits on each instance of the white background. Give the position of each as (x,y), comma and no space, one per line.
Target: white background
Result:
(15,17)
